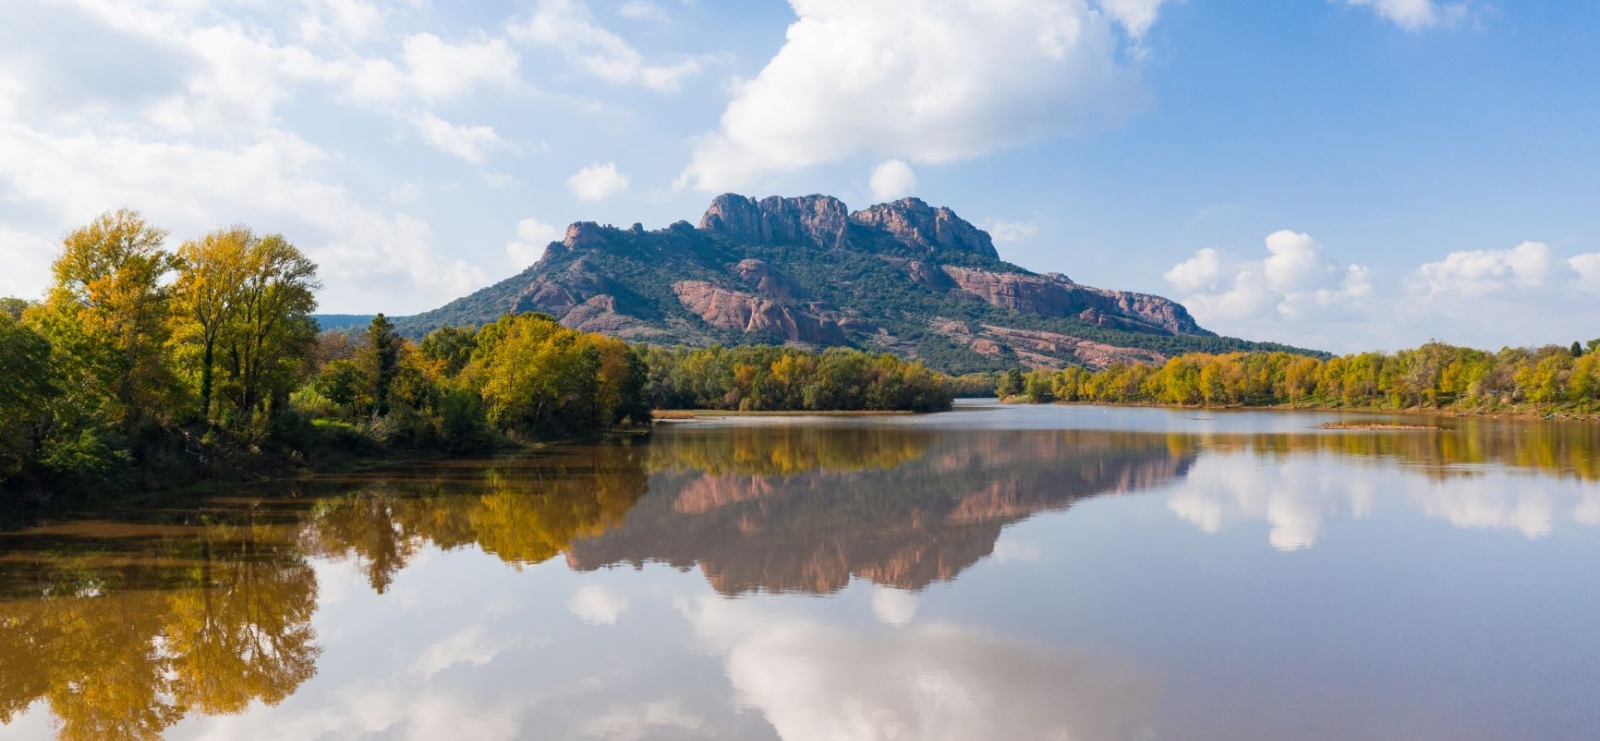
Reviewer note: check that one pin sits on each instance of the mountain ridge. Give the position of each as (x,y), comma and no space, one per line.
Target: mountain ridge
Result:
(904,277)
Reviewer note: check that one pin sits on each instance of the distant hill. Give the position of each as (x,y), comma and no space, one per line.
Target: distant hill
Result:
(342,321)
(902,277)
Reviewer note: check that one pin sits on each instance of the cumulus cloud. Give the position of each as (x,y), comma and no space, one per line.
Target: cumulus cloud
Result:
(596,605)
(923,82)
(471,143)
(598,182)
(532,238)
(469,646)
(1476,272)
(433,69)
(1293,279)
(1006,232)
(1415,15)
(893,179)
(1488,297)
(569,27)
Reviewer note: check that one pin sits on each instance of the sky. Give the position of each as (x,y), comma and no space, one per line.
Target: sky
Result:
(1339,174)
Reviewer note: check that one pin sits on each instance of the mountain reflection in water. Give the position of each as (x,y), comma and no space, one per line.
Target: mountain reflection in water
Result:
(122,624)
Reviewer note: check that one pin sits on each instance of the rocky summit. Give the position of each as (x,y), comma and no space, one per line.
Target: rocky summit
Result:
(902,277)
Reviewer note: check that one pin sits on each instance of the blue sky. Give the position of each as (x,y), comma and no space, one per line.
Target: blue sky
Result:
(1334,173)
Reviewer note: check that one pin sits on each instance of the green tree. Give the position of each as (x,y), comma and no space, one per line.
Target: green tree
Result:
(26,390)
(1577,349)
(207,296)
(383,361)
(271,336)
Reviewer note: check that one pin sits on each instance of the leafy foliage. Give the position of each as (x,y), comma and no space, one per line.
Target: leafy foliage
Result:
(1434,376)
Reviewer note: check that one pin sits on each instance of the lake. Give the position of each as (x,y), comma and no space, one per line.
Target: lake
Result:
(988,573)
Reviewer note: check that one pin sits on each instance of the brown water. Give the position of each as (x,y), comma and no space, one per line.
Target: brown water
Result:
(1018,573)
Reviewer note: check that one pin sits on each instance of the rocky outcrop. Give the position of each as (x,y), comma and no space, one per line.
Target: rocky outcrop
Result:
(1037,349)
(599,314)
(760,276)
(819,220)
(1055,295)
(916,224)
(743,312)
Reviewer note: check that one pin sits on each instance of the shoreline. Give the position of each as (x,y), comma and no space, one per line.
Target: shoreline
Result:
(1518,414)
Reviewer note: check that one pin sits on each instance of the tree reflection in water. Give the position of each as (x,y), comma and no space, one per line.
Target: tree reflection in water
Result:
(123,626)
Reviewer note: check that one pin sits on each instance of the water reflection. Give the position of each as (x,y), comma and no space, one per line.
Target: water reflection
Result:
(122,626)
(918,508)
(233,628)
(820,682)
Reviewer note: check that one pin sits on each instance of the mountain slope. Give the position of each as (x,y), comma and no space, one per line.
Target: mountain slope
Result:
(903,277)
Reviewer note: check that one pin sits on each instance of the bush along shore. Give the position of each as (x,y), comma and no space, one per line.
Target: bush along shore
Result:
(1553,381)
(148,369)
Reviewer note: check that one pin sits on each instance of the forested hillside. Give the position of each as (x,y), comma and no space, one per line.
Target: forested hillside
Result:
(902,277)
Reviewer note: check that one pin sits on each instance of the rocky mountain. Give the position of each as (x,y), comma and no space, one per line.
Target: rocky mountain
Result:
(904,277)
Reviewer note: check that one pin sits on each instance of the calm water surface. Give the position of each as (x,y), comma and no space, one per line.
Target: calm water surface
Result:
(1018,573)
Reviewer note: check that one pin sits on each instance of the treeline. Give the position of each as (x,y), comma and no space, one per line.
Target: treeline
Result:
(767,378)
(1434,376)
(148,367)
(144,367)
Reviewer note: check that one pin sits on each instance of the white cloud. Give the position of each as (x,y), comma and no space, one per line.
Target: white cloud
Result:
(1135,15)
(27,264)
(433,70)
(1198,273)
(893,179)
(1476,272)
(595,604)
(1415,15)
(532,238)
(1294,282)
(1006,232)
(598,182)
(643,10)
(1588,269)
(568,26)
(471,143)
(925,82)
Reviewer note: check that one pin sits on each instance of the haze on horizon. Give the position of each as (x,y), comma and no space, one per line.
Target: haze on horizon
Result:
(1342,174)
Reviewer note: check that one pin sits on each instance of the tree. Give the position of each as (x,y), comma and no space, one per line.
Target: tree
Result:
(207,295)
(1577,349)
(106,317)
(26,389)
(383,361)
(451,346)
(1010,384)
(271,336)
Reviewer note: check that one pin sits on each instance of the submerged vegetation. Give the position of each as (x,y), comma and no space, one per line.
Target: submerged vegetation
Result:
(148,368)
(1435,376)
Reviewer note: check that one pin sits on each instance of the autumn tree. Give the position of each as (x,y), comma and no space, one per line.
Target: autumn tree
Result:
(271,334)
(106,314)
(207,296)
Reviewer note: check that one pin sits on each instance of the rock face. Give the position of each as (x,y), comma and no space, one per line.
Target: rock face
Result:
(916,224)
(1055,295)
(805,271)
(743,312)
(820,220)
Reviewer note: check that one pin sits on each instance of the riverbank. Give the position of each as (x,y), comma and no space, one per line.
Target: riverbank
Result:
(1445,413)
(682,415)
